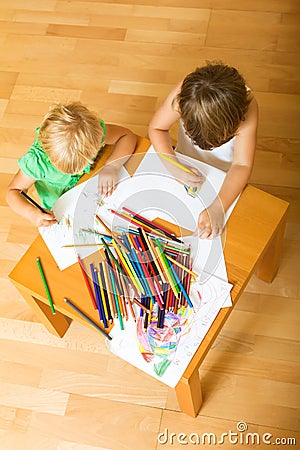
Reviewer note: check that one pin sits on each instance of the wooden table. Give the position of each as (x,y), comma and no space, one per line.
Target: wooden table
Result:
(254,235)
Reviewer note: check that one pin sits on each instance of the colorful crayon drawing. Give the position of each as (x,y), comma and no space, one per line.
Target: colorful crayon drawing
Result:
(159,345)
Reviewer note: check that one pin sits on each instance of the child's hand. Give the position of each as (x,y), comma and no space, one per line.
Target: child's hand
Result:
(211,221)
(41,219)
(191,178)
(108,179)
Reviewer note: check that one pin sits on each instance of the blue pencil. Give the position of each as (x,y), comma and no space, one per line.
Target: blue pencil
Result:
(178,282)
(105,299)
(116,301)
(142,277)
(98,297)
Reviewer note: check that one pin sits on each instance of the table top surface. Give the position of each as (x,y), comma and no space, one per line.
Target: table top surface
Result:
(249,229)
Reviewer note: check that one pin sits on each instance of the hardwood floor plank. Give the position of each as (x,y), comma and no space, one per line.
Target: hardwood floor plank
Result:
(252,29)
(78,31)
(78,426)
(34,399)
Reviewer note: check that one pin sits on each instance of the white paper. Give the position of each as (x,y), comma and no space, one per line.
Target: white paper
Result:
(75,210)
(125,343)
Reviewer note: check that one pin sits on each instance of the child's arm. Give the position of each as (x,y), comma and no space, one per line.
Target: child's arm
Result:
(21,206)
(211,220)
(124,142)
(159,134)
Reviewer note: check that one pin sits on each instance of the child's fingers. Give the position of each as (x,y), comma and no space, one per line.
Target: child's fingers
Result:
(46,220)
(47,223)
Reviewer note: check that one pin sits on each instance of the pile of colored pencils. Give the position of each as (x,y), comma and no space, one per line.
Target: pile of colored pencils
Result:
(145,265)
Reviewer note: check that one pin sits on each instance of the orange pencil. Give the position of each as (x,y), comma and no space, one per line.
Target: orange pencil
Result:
(111,233)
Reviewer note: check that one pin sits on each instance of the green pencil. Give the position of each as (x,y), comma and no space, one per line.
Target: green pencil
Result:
(45,285)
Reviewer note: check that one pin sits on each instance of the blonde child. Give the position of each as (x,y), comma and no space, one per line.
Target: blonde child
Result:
(217,116)
(68,141)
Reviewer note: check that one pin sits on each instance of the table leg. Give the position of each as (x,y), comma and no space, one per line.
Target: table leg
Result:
(56,323)
(269,263)
(189,395)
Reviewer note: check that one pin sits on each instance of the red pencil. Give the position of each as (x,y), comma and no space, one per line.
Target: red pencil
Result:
(152,224)
(87,281)
(137,223)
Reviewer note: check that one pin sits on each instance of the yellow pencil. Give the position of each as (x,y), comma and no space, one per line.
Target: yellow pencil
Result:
(102,294)
(82,245)
(182,266)
(167,273)
(176,163)
(153,254)
(108,290)
(131,276)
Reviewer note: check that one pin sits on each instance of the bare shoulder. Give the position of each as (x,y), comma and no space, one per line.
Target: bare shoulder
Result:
(251,118)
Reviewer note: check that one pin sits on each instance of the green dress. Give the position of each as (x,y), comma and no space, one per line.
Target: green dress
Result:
(50,182)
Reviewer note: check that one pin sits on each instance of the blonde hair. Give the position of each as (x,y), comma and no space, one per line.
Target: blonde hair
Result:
(212,103)
(71,135)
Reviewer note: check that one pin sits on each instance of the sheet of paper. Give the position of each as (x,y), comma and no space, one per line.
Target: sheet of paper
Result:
(75,211)
(126,345)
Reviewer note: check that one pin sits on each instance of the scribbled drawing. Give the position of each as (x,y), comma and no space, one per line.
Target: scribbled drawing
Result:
(158,345)
(59,231)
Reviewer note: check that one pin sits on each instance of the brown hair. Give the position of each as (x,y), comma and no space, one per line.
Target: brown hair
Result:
(71,135)
(212,103)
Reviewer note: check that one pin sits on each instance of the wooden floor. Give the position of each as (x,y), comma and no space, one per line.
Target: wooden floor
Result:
(121,57)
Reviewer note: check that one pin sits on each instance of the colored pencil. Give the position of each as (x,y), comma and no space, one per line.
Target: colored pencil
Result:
(98,296)
(112,257)
(182,266)
(102,297)
(81,245)
(152,226)
(133,271)
(135,222)
(181,286)
(156,260)
(144,308)
(45,285)
(121,294)
(149,228)
(139,270)
(111,233)
(149,248)
(151,236)
(176,163)
(125,265)
(126,296)
(109,301)
(87,319)
(34,202)
(103,224)
(161,315)
(145,252)
(85,277)
(116,302)
(168,270)
(154,291)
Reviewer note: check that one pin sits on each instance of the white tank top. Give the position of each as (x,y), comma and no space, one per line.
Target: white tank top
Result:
(220,157)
